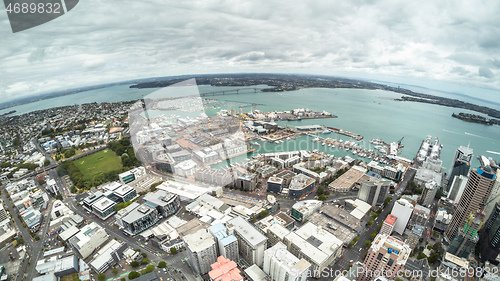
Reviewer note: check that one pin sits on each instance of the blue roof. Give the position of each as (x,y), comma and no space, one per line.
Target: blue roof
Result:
(228,239)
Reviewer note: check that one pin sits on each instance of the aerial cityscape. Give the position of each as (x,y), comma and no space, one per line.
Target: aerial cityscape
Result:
(250,140)
(203,181)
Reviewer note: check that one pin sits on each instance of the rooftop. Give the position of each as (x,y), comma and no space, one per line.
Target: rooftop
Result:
(247,231)
(300,182)
(390,220)
(199,240)
(137,213)
(224,270)
(392,245)
(348,179)
(103,204)
(256,274)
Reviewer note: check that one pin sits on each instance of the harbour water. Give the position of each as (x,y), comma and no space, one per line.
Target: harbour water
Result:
(374,114)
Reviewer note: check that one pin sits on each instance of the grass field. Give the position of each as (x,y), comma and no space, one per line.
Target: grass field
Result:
(98,163)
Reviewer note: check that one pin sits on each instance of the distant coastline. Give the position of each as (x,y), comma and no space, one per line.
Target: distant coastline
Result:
(276,82)
(288,82)
(473,118)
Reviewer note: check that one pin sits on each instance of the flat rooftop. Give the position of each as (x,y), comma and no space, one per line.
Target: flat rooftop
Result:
(390,220)
(349,178)
(246,230)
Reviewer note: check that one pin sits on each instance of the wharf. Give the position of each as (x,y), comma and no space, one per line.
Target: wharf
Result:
(346,133)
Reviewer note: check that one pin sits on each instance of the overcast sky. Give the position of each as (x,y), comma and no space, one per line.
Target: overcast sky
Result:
(108,41)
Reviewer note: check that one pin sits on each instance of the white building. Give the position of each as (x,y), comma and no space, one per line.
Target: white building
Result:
(202,251)
(52,186)
(88,239)
(402,210)
(227,243)
(457,188)
(251,242)
(282,265)
(316,245)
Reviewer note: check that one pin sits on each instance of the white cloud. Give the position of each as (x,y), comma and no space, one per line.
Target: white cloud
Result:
(97,42)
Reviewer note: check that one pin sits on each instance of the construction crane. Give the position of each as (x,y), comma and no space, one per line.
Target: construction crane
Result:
(399,142)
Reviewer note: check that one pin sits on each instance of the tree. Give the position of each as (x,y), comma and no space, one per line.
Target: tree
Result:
(144,261)
(73,189)
(133,275)
(115,271)
(134,264)
(433,258)
(59,197)
(149,269)
(101,276)
(46,162)
(322,197)
(373,235)
(421,256)
(123,279)
(439,194)
(173,250)
(263,213)
(37,238)
(368,243)
(378,211)
(162,264)
(320,190)
(41,182)
(144,255)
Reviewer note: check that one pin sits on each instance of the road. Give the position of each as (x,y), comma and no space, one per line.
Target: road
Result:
(37,249)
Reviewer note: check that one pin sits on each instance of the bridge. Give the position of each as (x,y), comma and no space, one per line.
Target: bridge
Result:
(231,91)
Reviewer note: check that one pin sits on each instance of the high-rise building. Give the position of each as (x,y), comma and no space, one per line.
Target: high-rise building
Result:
(402,210)
(251,242)
(494,197)
(388,225)
(474,197)
(282,265)
(429,192)
(202,251)
(467,236)
(386,256)
(457,187)
(460,164)
(374,192)
(490,236)
(227,243)
(419,216)
(415,235)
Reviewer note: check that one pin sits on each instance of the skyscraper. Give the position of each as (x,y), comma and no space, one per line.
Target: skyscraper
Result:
(490,236)
(474,197)
(460,164)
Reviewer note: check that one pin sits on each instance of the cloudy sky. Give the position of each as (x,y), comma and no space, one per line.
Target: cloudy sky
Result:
(108,41)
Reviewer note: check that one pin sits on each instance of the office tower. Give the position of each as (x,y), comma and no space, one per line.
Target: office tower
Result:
(460,164)
(374,192)
(494,197)
(474,197)
(490,236)
(402,210)
(387,256)
(457,187)
(429,192)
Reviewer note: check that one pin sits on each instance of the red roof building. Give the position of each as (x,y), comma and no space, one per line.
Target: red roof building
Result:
(225,270)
